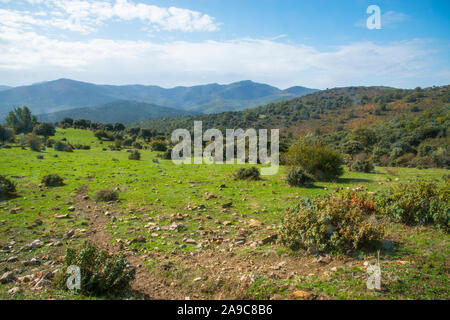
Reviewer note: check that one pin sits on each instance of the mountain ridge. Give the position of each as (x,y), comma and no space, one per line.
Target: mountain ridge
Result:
(65,94)
(123,111)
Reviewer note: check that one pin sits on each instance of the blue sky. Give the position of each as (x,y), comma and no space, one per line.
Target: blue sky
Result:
(319,44)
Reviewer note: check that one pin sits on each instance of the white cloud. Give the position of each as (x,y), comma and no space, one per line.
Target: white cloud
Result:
(28,55)
(85,16)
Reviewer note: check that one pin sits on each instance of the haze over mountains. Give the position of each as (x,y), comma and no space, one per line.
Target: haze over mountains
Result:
(123,111)
(65,94)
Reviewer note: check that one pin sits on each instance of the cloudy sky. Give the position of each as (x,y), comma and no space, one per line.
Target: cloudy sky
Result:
(313,43)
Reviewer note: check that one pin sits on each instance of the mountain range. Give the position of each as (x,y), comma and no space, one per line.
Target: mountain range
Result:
(65,94)
(124,111)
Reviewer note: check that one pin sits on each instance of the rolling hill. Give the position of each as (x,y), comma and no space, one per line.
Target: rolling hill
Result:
(124,112)
(324,110)
(3,88)
(65,94)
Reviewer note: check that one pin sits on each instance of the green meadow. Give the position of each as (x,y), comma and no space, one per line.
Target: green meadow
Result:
(215,211)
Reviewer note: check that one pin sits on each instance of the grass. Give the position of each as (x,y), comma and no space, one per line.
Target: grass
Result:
(158,192)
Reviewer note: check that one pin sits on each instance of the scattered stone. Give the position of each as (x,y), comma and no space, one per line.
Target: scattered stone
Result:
(69,234)
(197,279)
(71,209)
(32,262)
(8,277)
(334,269)
(300,294)
(322,259)
(63,216)
(140,239)
(227,205)
(12,259)
(14,291)
(255,223)
(269,239)
(190,241)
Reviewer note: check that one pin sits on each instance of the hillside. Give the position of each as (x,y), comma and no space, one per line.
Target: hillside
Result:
(325,110)
(64,94)
(124,112)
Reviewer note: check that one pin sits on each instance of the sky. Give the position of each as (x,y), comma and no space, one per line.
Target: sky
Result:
(312,43)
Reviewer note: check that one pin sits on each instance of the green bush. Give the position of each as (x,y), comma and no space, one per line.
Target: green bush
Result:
(33,142)
(52,180)
(361,166)
(297,177)
(418,202)
(61,146)
(316,159)
(158,145)
(106,195)
(7,188)
(134,155)
(137,145)
(334,223)
(166,155)
(251,173)
(101,274)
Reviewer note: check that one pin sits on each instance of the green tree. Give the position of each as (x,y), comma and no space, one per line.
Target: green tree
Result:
(21,120)
(45,129)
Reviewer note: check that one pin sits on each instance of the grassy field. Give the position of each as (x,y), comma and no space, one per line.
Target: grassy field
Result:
(216,254)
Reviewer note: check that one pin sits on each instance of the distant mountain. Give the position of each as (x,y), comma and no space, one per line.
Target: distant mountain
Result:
(300,91)
(64,94)
(125,112)
(3,88)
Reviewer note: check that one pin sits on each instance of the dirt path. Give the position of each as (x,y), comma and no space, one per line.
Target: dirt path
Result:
(146,284)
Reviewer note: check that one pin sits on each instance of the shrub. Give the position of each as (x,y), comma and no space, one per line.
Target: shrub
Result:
(7,188)
(251,173)
(297,177)
(158,145)
(81,147)
(44,129)
(61,146)
(333,223)
(127,142)
(361,166)
(134,155)
(316,159)
(137,145)
(418,202)
(33,142)
(166,155)
(106,195)
(101,274)
(52,180)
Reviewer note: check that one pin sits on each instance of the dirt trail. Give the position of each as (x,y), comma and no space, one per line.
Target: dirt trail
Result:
(145,284)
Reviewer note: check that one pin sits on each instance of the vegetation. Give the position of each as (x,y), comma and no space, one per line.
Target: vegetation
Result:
(135,155)
(419,202)
(106,195)
(21,120)
(316,160)
(297,177)
(52,180)
(251,173)
(7,188)
(33,142)
(335,223)
(101,274)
